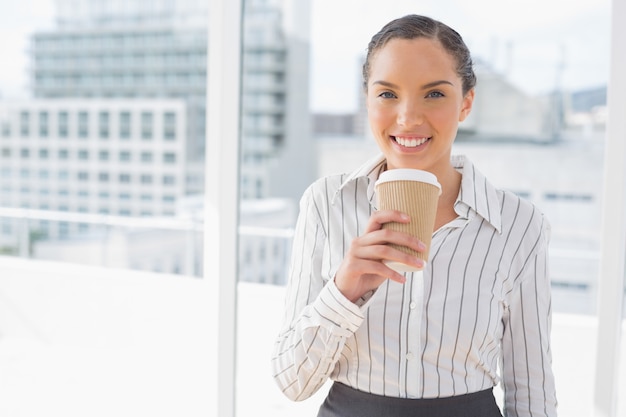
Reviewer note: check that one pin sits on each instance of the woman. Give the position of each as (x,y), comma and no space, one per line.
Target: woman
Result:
(434,342)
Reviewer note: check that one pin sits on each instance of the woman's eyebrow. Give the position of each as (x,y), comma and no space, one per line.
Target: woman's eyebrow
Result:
(424,87)
(436,83)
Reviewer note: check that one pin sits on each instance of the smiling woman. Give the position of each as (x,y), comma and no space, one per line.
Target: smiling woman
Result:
(428,341)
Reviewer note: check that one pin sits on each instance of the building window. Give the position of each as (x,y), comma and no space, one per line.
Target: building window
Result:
(103,125)
(63,154)
(169,157)
(83,124)
(62,120)
(124,125)
(103,155)
(124,178)
(146,125)
(83,176)
(44,174)
(24,153)
(43,154)
(24,123)
(83,154)
(43,124)
(6,129)
(6,152)
(124,156)
(146,179)
(169,180)
(146,157)
(63,175)
(103,177)
(169,126)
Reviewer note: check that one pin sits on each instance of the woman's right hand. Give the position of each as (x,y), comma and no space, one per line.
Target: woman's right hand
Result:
(362,269)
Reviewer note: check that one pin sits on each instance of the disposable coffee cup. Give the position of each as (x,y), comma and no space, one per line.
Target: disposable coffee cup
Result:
(416,193)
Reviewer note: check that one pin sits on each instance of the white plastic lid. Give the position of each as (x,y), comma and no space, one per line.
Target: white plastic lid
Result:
(407,174)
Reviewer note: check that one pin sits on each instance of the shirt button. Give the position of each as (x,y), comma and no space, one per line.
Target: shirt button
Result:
(413,305)
(409,356)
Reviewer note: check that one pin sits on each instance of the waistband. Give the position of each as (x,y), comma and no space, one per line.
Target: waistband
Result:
(344,401)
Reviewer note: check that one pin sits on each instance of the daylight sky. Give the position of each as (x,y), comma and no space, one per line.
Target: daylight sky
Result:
(537,44)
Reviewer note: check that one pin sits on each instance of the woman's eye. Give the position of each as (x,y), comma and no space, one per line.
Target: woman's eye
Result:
(435,94)
(387,94)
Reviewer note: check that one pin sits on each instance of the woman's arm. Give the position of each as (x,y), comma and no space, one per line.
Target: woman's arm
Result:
(318,318)
(527,361)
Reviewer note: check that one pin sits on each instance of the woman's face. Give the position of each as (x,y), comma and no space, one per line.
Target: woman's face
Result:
(415,102)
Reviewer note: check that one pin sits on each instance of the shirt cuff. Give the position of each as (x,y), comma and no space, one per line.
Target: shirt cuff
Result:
(333,306)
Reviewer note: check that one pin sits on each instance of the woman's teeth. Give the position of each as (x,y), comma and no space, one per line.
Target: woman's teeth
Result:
(410,142)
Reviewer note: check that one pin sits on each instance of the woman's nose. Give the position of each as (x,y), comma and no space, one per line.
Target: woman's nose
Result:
(410,114)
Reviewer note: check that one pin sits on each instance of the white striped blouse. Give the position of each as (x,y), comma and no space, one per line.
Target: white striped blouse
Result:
(478,314)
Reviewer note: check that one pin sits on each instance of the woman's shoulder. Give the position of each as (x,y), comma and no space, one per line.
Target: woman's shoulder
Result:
(519,212)
(326,187)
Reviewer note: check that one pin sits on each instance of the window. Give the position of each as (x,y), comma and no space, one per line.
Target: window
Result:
(43,124)
(169,126)
(103,177)
(125,125)
(63,122)
(43,154)
(146,125)
(25,124)
(169,158)
(83,125)
(82,175)
(146,157)
(124,156)
(63,154)
(6,129)
(103,155)
(497,48)
(146,179)
(124,178)
(103,125)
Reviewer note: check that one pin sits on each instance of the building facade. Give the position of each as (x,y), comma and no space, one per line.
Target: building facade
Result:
(118,157)
(142,49)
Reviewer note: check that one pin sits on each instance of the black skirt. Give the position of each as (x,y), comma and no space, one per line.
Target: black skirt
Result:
(343,401)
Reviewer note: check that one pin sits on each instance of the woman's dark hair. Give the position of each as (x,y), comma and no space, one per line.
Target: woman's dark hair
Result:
(415,26)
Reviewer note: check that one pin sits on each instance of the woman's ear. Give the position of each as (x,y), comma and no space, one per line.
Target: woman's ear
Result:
(466,106)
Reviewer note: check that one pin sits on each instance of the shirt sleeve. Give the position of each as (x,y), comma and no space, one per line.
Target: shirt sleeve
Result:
(318,318)
(527,358)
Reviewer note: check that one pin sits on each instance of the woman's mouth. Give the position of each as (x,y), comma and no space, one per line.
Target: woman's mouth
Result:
(410,142)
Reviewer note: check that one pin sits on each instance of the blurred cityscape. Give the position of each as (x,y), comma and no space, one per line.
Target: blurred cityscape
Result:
(105,164)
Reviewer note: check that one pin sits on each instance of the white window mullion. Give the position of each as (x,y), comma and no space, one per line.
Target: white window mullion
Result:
(611,280)
(221,196)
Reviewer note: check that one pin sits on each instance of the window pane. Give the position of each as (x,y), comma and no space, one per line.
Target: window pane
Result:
(536,128)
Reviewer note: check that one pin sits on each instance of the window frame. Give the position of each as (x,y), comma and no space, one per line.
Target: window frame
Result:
(613,254)
(222,193)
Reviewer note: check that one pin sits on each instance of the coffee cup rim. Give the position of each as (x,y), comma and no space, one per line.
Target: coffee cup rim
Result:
(408,174)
